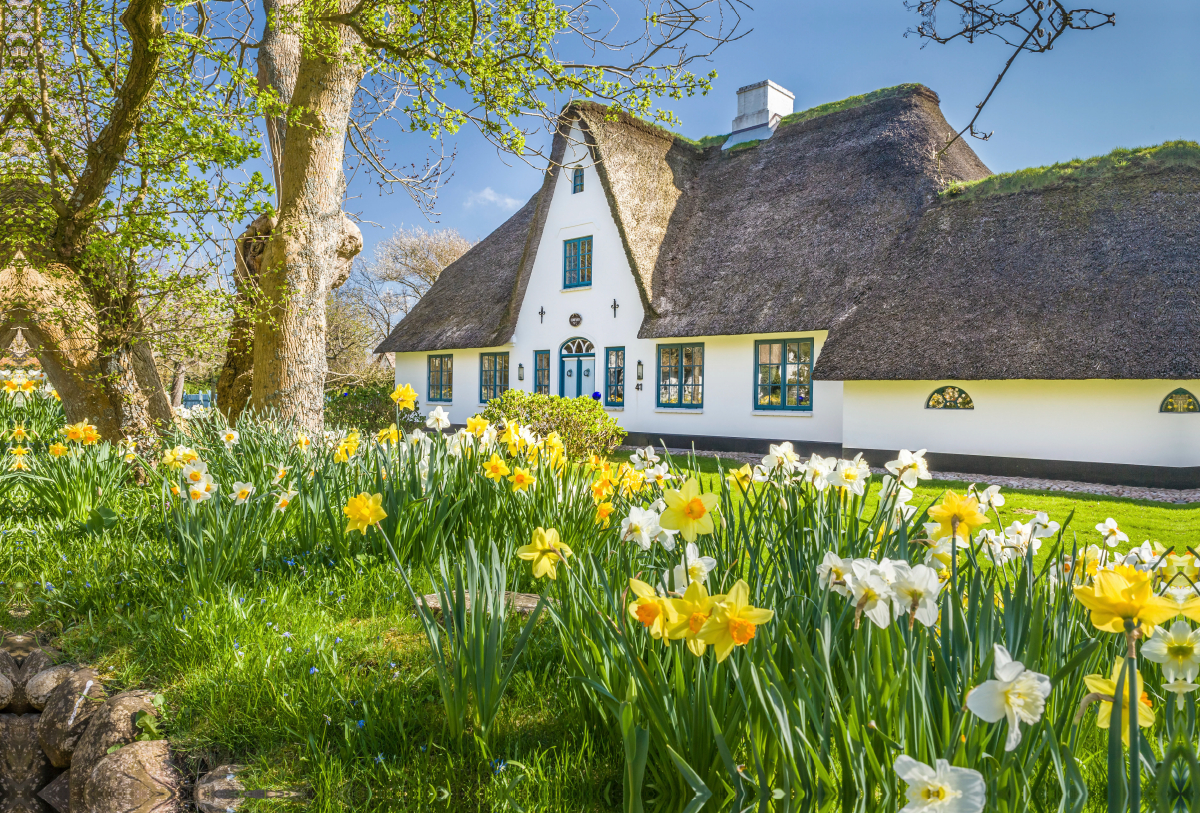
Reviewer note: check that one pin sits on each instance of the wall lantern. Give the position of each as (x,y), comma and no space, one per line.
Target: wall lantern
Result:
(520,372)
(639,378)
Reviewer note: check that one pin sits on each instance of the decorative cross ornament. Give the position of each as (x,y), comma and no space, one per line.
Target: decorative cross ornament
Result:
(542,314)
(614,307)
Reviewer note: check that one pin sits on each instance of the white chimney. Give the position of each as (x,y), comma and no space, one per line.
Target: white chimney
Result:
(762,104)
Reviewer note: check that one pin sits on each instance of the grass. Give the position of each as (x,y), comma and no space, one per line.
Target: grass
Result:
(1166,523)
(845,104)
(1119,162)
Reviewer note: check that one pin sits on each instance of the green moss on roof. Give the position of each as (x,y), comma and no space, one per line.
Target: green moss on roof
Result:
(1118,162)
(745,145)
(846,104)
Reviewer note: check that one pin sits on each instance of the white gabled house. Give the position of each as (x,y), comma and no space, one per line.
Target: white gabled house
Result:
(807,279)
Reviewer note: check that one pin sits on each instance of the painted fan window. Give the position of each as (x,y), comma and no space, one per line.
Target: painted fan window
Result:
(441,379)
(681,375)
(783,374)
(577,181)
(614,380)
(541,372)
(949,398)
(577,262)
(493,375)
(1179,401)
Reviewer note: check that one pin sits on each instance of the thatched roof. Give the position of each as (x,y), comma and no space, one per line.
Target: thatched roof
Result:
(1099,279)
(836,223)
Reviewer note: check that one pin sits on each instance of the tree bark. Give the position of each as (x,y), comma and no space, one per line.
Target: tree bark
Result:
(237,374)
(177,385)
(313,244)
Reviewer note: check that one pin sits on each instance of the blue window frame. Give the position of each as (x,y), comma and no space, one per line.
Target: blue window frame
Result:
(577,181)
(441,379)
(614,376)
(783,374)
(577,262)
(541,372)
(493,375)
(681,375)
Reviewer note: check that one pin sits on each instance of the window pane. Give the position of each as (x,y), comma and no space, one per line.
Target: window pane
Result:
(585,261)
(668,376)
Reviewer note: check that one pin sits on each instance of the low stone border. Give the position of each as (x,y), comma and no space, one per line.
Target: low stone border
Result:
(1166,495)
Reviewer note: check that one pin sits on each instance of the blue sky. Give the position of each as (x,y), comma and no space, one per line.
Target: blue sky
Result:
(1130,85)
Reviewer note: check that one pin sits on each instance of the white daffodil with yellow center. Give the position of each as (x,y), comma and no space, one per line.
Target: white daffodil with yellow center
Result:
(943,789)
(195,472)
(1177,649)
(851,475)
(834,572)
(909,467)
(241,492)
(871,593)
(915,593)
(1017,694)
(694,569)
(1111,533)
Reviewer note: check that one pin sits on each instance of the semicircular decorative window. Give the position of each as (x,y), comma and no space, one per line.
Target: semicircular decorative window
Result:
(1179,400)
(578,346)
(949,397)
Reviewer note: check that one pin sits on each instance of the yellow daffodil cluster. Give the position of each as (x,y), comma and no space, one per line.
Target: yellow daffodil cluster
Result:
(82,432)
(347,447)
(722,621)
(178,457)
(405,397)
(364,511)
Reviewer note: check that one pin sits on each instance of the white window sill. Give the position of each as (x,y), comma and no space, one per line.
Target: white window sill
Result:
(614,409)
(782,413)
(442,404)
(681,410)
(576,289)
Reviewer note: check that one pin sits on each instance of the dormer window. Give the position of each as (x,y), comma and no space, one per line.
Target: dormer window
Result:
(577,180)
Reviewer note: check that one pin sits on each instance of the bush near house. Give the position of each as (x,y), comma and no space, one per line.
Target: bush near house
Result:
(582,423)
(368,407)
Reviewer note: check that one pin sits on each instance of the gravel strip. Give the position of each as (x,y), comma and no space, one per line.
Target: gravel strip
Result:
(1167,495)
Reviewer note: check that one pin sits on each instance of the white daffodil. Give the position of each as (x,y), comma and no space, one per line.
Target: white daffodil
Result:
(659,475)
(417,437)
(666,538)
(992,545)
(241,492)
(203,490)
(696,570)
(817,471)
(230,438)
(641,526)
(1111,533)
(438,420)
(944,549)
(833,572)
(943,789)
(281,471)
(781,456)
(989,497)
(904,511)
(909,467)
(1179,688)
(284,500)
(852,475)
(915,593)
(1021,535)
(644,458)
(1017,694)
(195,472)
(1177,649)
(870,592)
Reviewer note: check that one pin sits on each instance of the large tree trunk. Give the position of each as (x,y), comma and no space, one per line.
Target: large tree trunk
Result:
(177,382)
(311,247)
(237,374)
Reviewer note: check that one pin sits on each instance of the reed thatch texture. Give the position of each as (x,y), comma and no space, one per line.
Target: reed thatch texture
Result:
(1099,279)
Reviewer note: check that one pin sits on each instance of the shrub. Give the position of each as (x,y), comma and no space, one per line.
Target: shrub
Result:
(582,423)
(367,407)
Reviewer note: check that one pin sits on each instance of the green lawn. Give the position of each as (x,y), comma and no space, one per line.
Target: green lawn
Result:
(1167,523)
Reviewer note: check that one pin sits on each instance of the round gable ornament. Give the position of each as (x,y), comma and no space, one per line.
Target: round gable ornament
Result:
(576,320)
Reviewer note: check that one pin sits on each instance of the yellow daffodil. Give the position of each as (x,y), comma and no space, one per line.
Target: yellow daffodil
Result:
(20,465)
(363,511)
(655,613)
(1108,686)
(521,479)
(57,449)
(511,436)
(957,516)
(1184,563)
(602,489)
(733,621)
(12,386)
(688,511)
(495,468)
(477,425)
(742,478)
(389,435)
(594,463)
(1123,598)
(545,551)
(347,448)
(405,396)
(693,611)
(603,512)
(19,433)
(302,441)
(19,451)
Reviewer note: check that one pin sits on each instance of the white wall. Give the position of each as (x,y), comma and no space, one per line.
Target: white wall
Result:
(728,370)
(1102,421)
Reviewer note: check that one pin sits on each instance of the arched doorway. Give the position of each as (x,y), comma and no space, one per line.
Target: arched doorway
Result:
(576,368)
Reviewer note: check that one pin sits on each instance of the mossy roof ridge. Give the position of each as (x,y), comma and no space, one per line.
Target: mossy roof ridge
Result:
(1119,162)
(848,103)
